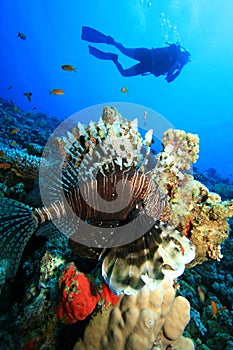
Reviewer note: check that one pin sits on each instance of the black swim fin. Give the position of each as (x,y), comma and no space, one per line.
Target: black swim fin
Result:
(94,36)
(102,55)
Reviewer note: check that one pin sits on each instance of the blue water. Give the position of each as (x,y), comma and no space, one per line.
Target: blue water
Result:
(200,100)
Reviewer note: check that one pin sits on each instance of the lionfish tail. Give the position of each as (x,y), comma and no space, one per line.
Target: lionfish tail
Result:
(17,224)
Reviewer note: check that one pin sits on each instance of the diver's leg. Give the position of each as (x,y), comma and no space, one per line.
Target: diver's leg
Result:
(132,71)
(137,54)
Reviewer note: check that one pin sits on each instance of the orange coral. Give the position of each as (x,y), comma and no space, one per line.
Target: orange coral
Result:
(78,298)
(108,295)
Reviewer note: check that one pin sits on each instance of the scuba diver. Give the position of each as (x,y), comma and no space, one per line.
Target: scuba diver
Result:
(167,60)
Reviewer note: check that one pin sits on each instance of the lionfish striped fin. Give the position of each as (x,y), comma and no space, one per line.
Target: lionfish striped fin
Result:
(147,260)
(125,268)
(51,183)
(55,211)
(82,129)
(147,143)
(56,180)
(17,224)
(69,177)
(155,201)
(53,234)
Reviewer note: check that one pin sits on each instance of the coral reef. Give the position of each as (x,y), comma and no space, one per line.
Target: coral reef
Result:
(215,278)
(21,164)
(34,127)
(79,298)
(102,161)
(22,139)
(35,323)
(208,227)
(62,301)
(137,322)
(199,214)
(214,182)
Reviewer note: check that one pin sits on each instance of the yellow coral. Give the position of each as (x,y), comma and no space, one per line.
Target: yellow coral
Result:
(137,320)
(206,224)
(196,212)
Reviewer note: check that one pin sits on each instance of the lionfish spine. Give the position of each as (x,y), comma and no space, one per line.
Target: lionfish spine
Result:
(76,156)
(55,211)
(137,187)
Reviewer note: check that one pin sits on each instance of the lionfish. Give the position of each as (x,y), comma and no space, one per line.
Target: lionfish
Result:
(108,204)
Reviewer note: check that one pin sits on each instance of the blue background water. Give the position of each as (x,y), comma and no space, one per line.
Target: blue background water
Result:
(200,100)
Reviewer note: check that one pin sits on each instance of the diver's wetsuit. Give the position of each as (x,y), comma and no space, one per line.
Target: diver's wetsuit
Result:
(159,61)
(167,60)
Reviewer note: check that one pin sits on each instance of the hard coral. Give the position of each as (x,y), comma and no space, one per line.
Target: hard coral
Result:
(108,296)
(195,211)
(136,321)
(78,299)
(207,225)
(23,168)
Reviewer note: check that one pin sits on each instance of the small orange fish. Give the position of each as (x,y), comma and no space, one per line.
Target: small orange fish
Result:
(222,308)
(16,172)
(14,131)
(124,90)
(21,35)
(28,95)
(57,92)
(16,109)
(2,154)
(201,294)
(214,309)
(5,166)
(68,68)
